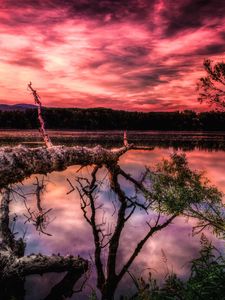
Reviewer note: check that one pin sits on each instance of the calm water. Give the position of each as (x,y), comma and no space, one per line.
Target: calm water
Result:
(72,235)
(186,140)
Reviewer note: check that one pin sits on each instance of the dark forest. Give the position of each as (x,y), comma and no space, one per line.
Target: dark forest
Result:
(108,119)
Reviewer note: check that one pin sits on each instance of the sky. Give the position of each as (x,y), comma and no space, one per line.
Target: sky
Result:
(144,55)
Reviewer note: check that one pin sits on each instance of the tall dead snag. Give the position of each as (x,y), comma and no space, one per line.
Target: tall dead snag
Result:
(37,100)
(14,265)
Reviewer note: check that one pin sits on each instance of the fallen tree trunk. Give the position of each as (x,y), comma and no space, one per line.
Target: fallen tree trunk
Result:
(18,163)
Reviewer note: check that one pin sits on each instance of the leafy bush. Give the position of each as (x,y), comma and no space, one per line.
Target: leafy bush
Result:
(206,281)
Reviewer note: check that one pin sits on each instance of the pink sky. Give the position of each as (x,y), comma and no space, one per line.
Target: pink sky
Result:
(132,54)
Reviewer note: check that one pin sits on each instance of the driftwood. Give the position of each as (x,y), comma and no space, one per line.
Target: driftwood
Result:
(18,163)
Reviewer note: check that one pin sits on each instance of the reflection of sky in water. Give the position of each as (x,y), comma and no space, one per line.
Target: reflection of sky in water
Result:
(72,235)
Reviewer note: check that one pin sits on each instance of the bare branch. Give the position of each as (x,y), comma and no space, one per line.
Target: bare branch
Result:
(40,217)
(37,100)
(87,191)
(141,244)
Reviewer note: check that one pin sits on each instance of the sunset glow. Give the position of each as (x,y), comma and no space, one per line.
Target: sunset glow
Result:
(133,54)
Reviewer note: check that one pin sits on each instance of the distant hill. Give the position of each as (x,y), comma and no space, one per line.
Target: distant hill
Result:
(21,106)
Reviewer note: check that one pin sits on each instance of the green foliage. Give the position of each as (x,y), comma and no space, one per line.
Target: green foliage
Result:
(149,289)
(207,278)
(205,282)
(176,189)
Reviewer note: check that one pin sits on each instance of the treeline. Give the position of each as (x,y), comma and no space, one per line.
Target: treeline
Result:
(108,119)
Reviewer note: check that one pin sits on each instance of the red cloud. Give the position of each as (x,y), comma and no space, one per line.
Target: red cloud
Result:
(92,56)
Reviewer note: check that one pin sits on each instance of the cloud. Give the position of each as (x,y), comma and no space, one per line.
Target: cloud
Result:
(26,58)
(107,10)
(135,55)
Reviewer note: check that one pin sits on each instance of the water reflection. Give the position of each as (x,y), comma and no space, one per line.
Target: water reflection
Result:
(72,235)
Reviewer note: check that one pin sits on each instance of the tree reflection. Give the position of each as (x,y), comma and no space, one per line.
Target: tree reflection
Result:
(15,265)
(40,217)
(170,190)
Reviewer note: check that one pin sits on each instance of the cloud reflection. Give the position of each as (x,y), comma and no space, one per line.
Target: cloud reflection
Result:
(72,235)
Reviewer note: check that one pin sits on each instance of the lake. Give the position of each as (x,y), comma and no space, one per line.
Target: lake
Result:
(70,233)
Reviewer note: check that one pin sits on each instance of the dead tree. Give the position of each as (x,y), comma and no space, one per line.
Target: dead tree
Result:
(15,266)
(18,163)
